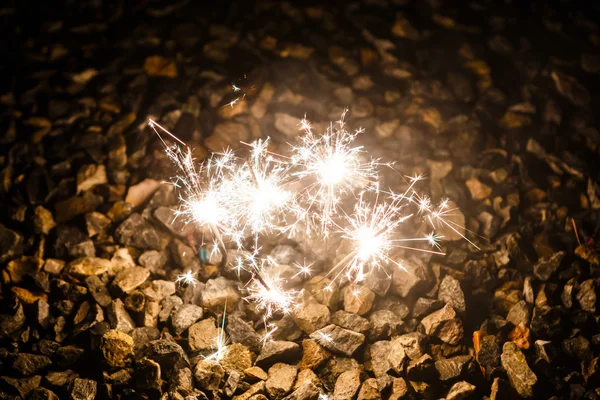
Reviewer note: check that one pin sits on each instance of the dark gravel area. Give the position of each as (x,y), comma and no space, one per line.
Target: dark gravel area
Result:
(494,101)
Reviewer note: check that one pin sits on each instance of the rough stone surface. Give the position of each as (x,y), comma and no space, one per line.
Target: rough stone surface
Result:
(521,377)
(136,231)
(338,340)
(444,324)
(280,381)
(117,348)
(278,351)
(184,316)
(347,385)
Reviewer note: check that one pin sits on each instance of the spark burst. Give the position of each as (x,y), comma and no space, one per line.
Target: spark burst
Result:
(331,168)
(237,198)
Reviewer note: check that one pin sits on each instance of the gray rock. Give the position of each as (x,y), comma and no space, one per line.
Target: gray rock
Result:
(184,256)
(380,365)
(413,343)
(546,266)
(184,316)
(118,317)
(117,348)
(41,393)
(83,389)
(384,324)
(11,244)
(347,385)
(369,390)
(143,335)
(136,231)
(208,374)
(452,368)
(280,381)
(88,266)
(29,364)
(399,389)
(218,293)
(587,297)
(421,369)
(520,376)
(452,294)
(70,208)
(22,386)
(168,354)
(358,299)
(240,331)
(396,356)
(130,278)
(167,305)
(460,390)
(153,260)
(351,321)
(444,324)
(278,351)
(98,291)
(253,392)
(338,339)
(307,391)
(43,222)
(424,306)
(519,314)
(412,279)
(159,290)
(203,335)
(310,315)
(489,351)
(96,223)
(182,382)
(59,379)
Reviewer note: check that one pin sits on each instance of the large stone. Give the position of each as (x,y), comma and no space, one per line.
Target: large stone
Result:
(130,278)
(168,354)
(460,390)
(519,314)
(451,293)
(313,354)
(310,315)
(358,299)
(587,297)
(307,391)
(83,389)
(220,293)
(43,221)
(204,335)
(521,377)
(278,351)
(89,176)
(351,321)
(98,291)
(118,317)
(451,368)
(548,265)
(117,348)
(280,381)
(184,316)
(236,357)
(347,385)
(136,231)
(140,193)
(28,364)
(411,279)
(338,339)
(22,387)
(444,324)
(209,374)
(88,266)
(240,331)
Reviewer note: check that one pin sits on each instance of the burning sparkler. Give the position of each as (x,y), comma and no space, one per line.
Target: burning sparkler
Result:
(236,198)
(332,168)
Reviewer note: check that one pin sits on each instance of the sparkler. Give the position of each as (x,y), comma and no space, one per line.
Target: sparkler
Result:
(332,167)
(237,198)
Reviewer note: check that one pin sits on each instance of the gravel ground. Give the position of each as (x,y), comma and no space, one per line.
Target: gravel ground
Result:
(494,102)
